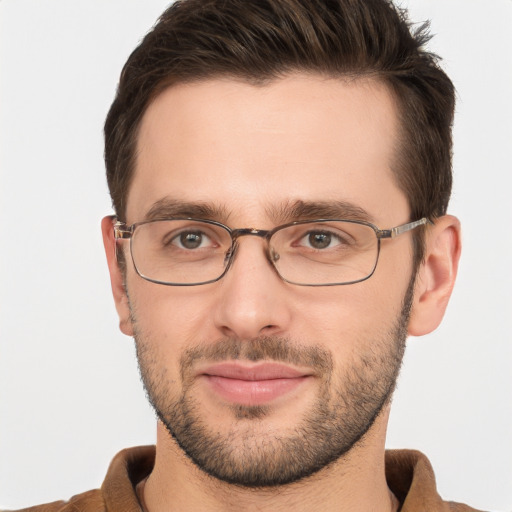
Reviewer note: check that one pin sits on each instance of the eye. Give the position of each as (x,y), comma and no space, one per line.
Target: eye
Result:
(321,240)
(192,240)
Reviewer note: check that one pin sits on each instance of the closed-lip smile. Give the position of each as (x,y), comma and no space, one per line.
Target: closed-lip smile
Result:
(252,383)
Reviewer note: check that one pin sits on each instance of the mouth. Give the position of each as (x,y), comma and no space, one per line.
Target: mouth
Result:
(252,384)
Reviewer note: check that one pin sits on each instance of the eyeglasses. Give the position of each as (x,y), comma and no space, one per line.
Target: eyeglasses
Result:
(324,252)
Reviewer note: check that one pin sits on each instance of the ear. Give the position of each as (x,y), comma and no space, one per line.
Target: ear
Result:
(436,275)
(116,276)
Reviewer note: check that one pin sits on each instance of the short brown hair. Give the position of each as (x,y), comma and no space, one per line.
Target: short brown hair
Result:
(261,40)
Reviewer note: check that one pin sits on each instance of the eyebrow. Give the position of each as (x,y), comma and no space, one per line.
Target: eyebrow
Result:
(166,208)
(311,210)
(289,211)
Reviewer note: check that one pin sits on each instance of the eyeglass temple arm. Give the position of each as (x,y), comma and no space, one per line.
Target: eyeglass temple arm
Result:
(398,230)
(120,232)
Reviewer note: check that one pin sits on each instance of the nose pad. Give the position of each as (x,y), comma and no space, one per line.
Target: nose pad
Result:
(274,255)
(270,253)
(230,255)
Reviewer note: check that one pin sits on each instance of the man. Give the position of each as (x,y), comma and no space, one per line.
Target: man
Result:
(280,173)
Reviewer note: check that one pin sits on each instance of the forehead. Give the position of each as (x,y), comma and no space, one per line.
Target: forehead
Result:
(249,149)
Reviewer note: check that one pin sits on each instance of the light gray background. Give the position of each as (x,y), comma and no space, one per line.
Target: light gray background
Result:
(70,397)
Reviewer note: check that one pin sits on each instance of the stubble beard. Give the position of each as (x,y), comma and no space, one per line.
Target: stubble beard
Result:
(250,455)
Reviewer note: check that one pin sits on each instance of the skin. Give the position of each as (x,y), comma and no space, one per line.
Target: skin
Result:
(250,151)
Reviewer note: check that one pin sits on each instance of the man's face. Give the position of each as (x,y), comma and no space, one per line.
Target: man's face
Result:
(263,382)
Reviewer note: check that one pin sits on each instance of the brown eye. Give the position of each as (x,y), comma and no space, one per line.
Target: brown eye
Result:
(322,240)
(191,240)
(319,240)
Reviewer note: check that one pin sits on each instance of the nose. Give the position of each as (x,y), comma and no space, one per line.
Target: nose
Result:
(253,300)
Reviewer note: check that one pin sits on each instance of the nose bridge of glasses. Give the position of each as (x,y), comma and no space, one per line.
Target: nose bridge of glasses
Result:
(271,255)
(237,233)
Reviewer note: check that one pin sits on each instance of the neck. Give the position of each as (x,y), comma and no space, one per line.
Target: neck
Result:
(356,482)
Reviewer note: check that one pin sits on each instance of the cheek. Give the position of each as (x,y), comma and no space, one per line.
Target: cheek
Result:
(163,328)
(354,320)
(169,317)
(351,310)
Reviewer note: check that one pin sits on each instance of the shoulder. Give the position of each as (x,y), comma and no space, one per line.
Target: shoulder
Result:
(411,479)
(117,492)
(90,501)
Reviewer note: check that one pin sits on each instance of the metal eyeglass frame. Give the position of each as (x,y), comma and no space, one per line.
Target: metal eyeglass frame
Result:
(124,232)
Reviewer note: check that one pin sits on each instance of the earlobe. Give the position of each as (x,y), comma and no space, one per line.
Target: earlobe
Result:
(116,277)
(436,275)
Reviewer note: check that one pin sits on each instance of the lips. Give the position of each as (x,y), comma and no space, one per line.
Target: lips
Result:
(252,384)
